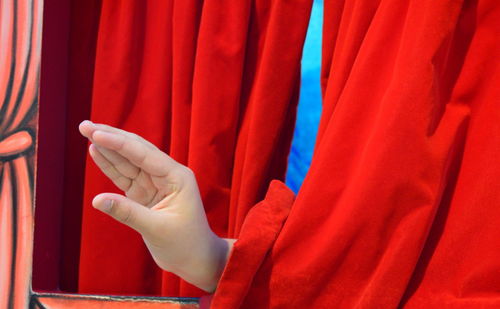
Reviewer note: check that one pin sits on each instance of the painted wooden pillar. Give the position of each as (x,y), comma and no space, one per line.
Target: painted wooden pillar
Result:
(20,33)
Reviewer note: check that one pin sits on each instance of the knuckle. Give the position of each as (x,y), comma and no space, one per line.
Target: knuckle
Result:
(189,172)
(182,176)
(142,156)
(127,217)
(122,214)
(185,172)
(123,183)
(135,137)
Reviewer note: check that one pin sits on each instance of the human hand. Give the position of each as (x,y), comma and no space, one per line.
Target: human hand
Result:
(162,202)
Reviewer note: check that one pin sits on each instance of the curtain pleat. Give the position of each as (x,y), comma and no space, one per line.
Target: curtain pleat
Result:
(215,85)
(399,208)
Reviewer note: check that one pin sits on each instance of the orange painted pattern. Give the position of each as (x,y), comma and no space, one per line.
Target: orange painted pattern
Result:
(20,26)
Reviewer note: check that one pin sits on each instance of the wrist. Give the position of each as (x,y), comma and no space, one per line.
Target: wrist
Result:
(206,262)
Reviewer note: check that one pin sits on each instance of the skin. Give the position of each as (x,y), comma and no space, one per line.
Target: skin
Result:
(161,201)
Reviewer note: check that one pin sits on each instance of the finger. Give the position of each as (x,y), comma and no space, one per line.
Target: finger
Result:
(87,128)
(122,165)
(121,181)
(140,189)
(110,129)
(126,211)
(151,160)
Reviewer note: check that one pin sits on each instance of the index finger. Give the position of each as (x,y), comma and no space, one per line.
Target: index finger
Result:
(137,151)
(87,129)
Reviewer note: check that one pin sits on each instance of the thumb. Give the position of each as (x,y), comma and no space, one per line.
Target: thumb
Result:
(124,210)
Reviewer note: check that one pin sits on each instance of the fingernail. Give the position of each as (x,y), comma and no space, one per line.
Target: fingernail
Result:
(107,205)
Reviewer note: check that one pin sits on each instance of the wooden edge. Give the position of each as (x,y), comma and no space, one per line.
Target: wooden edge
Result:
(55,300)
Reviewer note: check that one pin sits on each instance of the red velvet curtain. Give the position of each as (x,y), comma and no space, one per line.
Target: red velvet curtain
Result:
(400,205)
(214,84)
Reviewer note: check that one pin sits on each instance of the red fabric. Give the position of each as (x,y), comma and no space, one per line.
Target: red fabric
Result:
(261,228)
(208,82)
(84,21)
(50,146)
(400,205)
(68,56)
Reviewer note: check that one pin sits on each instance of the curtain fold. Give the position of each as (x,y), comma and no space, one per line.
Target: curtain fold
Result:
(399,208)
(212,83)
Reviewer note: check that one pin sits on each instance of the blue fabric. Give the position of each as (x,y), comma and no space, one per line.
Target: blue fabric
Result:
(309,108)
